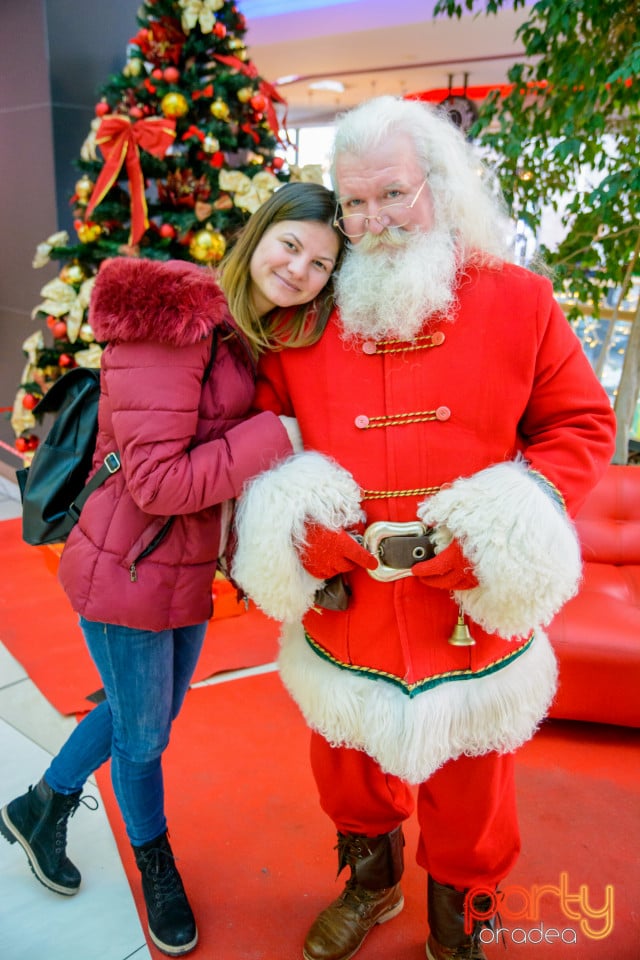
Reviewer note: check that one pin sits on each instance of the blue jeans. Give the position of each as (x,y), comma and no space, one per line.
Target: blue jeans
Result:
(146,676)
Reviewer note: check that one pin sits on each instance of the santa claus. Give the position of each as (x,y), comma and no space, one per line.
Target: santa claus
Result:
(452,426)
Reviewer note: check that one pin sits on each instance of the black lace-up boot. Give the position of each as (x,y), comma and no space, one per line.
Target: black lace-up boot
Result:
(372,895)
(449,939)
(38,822)
(172,926)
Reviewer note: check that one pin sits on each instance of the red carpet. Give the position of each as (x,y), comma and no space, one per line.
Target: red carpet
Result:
(256,852)
(41,631)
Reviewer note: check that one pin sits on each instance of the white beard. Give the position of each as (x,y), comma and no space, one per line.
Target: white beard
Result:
(389,285)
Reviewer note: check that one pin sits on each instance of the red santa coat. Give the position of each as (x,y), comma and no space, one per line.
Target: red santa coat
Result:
(486,427)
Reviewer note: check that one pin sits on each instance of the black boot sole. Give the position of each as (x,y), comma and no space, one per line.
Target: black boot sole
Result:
(11,833)
(173,951)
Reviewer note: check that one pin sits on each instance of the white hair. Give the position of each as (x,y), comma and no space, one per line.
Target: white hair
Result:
(466,199)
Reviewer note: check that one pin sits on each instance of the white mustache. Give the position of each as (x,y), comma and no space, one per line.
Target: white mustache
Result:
(390,237)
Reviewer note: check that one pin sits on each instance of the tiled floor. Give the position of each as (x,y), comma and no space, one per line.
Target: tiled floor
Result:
(101,922)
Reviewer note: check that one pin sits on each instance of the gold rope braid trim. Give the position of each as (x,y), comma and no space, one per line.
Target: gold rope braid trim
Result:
(423,342)
(400,419)
(427,683)
(550,487)
(384,494)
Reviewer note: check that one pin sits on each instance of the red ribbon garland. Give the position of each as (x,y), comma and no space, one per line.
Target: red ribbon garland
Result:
(266,89)
(120,141)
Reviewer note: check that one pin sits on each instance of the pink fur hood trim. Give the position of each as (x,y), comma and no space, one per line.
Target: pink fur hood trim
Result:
(170,301)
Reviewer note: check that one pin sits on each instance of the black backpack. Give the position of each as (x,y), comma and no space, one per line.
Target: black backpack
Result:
(54,487)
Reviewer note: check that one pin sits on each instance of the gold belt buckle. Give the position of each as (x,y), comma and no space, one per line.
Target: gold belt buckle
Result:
(376,533)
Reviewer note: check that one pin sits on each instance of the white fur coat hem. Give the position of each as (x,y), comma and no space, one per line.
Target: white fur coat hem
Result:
(411,737)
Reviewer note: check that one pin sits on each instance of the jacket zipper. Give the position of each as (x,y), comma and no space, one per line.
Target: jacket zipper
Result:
(157,540)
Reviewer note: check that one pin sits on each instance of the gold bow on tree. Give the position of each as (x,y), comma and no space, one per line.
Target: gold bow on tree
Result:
(201,12)
(62,300)
(43,250)
(249,192)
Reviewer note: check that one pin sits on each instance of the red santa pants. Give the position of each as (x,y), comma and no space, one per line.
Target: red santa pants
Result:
(467,812)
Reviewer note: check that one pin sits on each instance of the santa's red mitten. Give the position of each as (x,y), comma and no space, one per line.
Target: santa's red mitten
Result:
(326,553)
(448,570)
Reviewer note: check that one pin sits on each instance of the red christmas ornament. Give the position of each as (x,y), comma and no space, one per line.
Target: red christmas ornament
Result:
(29,401)
(59,330)
(136,112)
(219,30)
(258,102)
(168,231)
(51,320)
(102,109)
(32,442)
(66,360)
(171,74)
(277,163)
(22,444)
(157,73)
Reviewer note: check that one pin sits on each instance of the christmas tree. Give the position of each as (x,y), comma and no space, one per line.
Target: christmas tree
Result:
(182,150)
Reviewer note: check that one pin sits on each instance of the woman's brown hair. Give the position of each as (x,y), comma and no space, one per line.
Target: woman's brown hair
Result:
(303,325)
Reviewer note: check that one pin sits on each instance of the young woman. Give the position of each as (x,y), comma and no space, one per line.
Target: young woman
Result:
(177,381)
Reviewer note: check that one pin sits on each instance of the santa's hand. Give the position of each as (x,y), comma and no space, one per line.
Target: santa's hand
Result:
(326,553)
(448,570)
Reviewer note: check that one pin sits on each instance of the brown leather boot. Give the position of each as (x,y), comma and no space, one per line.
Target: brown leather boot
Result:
(448,939)
(372,895)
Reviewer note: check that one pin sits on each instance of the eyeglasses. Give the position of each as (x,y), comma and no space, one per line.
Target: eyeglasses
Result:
(393,214)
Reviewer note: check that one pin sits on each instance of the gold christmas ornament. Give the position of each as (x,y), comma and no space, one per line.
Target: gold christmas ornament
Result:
(174,105)
(219,109)
(85,333)
(84,188)
(210,144)
(88,232)
(207,246)
(244,94)
(73,274)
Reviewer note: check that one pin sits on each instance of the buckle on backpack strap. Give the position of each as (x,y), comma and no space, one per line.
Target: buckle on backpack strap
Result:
(112,462)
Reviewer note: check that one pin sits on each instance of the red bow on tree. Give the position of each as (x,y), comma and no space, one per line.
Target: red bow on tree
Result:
(120,141)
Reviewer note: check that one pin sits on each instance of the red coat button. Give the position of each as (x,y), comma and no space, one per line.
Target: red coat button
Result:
(369,347)
(443,413)
(437,338)
(361,421)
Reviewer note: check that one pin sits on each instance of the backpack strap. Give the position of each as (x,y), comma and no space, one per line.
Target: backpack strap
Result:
(110,465)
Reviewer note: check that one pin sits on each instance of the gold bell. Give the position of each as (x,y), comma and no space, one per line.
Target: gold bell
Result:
(460,636)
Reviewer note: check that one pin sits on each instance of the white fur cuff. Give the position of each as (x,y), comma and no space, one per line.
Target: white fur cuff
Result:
(270,521)
(523,548)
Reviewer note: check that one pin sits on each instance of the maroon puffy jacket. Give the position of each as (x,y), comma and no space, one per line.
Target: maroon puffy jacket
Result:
(144,551)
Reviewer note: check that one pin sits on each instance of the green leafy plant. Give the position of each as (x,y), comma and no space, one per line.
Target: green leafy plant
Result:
(566,138)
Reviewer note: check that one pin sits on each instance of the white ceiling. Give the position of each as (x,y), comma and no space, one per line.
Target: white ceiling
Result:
(372,47)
